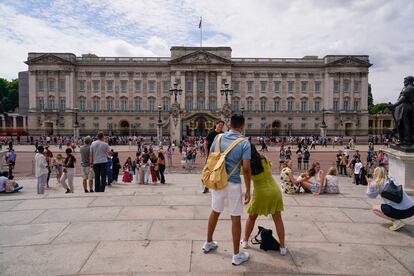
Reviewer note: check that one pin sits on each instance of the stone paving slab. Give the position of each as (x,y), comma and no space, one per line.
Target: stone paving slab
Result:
(9,204)
(345,259)
(331,201)
(127,200)
(44,259)
(315,214)
(404,255)
(18,217)
(220,260)
(187,200)
(78,214)
(30,234)
(156,212)
(105,231)
(139,256)
(50,203)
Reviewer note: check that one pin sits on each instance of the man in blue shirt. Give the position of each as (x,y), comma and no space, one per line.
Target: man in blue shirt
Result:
(239,156)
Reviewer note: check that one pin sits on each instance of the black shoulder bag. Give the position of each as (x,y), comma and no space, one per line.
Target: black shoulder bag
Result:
(392,192)
(267,241)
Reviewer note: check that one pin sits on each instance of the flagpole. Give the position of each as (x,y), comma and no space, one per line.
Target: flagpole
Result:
(201,31)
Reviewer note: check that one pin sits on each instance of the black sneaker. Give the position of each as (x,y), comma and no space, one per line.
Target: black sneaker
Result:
(206,190)
(86,191)
(67,191)
(91,191)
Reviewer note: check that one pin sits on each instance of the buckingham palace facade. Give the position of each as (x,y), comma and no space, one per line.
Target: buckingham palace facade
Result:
(132,95)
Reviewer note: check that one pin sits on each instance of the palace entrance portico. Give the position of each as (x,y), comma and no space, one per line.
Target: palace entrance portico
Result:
(198,124)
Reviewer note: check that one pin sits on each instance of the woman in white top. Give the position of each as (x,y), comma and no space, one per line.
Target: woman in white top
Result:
(357,171)
(315,176)
(41,170)
(389,210)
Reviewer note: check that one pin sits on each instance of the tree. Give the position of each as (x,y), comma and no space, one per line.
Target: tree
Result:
(9,94)
(370,97)
(378,108)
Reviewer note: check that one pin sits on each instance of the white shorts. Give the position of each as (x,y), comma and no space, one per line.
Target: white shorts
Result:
(87,173)
(233,193)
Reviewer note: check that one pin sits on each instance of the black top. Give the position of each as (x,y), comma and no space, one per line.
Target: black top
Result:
(70,161)
(210,138)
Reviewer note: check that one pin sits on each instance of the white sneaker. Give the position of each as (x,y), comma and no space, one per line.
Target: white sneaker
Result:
(209,246)
(240,258)
(244,244)
(283,251)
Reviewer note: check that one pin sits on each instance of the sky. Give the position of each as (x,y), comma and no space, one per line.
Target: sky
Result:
(382,29)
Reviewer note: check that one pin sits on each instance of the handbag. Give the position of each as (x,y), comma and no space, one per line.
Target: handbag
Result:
(267,241)
(392,191)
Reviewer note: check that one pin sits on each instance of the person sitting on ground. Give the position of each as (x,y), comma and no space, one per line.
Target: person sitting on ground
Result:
(389,210)
(8,185)
(331,185)
(290,184)
(314,178)
(267,199)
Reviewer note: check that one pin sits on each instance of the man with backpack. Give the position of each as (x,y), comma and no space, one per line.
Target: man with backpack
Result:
(238,155)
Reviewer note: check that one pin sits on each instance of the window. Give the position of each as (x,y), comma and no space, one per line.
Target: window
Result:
(236,86)
(356,105)
(62,85)
(263,86)
(189,86)
(124,86)
(304,86)
(151,85)
(165,104)
(356,86)
(200,86)
(52,85)
(200,104)
(263,105)
(290,86)
(276,106)
(290,105)
(317,106)
(249,86)
(82,105)
(82,86)
(52,103)
(212,86)
(250,105)
(137,105)
(336,87)
(165,86)
(276,86)
(212,104)
(335,105)
(189,104)
(109,104)
(124,105)
(346,105)
(235,105)
(137,86)
(317,87)
(109,85)
(151,104)
(96,105)
(62,104)
(40,85)
(346,86)
(96,126)
(95,85)
(249,126)
(303,105)
(41,104)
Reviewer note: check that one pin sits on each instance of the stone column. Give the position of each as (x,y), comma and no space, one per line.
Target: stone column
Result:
(219,97)
(206,91)
(14,122)
(24,123)
(194,90)
(33,102)
(182,86)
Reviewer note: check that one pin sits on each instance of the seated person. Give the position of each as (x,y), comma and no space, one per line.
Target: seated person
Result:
(8,185)
(290,184)
(331,185)
(313,179)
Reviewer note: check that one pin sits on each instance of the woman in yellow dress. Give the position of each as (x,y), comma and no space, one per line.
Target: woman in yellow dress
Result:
(267,199)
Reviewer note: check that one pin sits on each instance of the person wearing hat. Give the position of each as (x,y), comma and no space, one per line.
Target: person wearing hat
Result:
(98,158)
(41,170)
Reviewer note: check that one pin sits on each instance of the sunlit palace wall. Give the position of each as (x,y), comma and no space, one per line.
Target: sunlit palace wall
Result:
(121,95)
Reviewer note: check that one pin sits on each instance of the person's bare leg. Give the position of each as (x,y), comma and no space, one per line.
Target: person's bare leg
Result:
(377,210)
(90,185)
(249,226)
(84,184)
(280,227)
(212,222)
(306,185)
(236,233)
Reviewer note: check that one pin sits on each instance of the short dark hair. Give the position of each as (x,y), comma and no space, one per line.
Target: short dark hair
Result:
(237,120)
(100,135)
(220,121)
(68,150)
(40,149)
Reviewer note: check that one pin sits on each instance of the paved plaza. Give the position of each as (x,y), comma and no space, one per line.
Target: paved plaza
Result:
(159,230)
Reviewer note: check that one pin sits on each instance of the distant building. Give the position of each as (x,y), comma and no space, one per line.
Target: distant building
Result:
(121,95)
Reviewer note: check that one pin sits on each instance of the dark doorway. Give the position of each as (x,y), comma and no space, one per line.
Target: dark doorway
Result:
(124,128)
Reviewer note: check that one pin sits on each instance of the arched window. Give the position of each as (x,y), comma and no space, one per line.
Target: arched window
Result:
(189,104)
(263,105)
(249,105)
(109,104)
(235,105)
(96,104)
(124,104)
(303,105)
(276,106)
(151,104)
(290,105)
(165,104)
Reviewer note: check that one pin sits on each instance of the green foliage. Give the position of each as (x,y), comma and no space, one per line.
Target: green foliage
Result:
(377,108)
(9,94)
(370,97)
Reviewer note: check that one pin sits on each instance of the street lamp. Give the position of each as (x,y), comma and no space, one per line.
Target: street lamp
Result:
(76,124)
(242,110)
(175,91)
(159,124)
(226,91)
(323,125)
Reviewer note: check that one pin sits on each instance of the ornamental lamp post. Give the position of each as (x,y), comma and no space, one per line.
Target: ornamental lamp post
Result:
(242,110)
(159,126)
(175,91)
(76,124)
(323,125)
(226,91)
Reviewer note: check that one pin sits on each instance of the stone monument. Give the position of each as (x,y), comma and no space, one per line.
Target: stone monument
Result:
(401,155)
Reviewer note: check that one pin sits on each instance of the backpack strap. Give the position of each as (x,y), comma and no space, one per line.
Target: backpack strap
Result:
(217,149)
(232,145)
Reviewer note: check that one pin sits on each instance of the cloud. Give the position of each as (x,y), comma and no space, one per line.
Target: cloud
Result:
(266,28)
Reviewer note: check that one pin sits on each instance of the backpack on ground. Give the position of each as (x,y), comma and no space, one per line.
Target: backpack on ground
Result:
(214,175)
